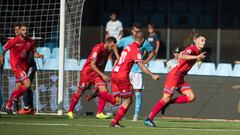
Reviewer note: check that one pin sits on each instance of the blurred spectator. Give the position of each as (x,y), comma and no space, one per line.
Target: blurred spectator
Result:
(175,61)
(1,71)
(153,38)
(114,27)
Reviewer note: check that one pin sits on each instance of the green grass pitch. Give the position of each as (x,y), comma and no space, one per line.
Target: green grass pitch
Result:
(54,125)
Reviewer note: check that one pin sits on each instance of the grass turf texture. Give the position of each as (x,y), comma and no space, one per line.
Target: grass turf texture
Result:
(54,125)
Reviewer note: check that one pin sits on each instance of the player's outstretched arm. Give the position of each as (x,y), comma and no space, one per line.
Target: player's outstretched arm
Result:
(150,56)
(95,68)
(147,71)
(115,50)
(184,56)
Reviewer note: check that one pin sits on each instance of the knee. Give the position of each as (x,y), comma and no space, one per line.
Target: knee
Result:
(191,97)
(166,99)
(79,92)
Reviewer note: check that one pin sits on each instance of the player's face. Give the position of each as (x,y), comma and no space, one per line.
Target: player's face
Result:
(110,46)
(200,42)
(135,30)
(23,31)
(16,30)
(175,55)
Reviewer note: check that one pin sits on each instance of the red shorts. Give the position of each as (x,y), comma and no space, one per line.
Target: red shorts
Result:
(121,87)
(175,83)
(20,75)
(87,81)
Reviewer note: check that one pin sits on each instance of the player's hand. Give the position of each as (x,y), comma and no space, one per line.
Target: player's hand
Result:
(155,77)
(41,56)
(144,62)
(105,78)
(202,56)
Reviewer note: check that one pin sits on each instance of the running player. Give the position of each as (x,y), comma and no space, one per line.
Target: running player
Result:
(121,86)
(93,74)
(175,79)
(136,75)
(19,47)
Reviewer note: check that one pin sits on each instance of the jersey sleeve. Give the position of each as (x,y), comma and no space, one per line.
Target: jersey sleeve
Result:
(147,46)
(136,55)
(188,51)
(94,54)
(8,45)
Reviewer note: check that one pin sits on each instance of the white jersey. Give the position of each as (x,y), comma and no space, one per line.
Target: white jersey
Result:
(114,28)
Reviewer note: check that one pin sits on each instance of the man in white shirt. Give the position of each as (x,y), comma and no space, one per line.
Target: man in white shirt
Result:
(114,27)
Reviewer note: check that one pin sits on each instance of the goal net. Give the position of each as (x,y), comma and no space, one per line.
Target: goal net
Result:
(43,20)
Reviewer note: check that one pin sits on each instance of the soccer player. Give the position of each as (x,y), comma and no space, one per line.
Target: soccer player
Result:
(93,74)
(175,79)
(136,75)
(32,68)
(20,47)
(121,85)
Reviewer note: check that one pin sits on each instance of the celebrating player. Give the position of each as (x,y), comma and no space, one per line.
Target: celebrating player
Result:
(175,79)
(121,86)
(93,74)
(136,75)
(20,47)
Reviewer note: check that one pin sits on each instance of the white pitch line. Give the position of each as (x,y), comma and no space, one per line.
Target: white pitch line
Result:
(128,127)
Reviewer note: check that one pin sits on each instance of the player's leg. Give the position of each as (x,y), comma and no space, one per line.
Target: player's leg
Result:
(157,108)
(101,103)
(137,82)
(28,96)
(121,112)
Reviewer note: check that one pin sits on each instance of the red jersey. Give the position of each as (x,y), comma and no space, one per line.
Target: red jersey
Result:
(100,55)
(129,56)
(19,51)
(185,65)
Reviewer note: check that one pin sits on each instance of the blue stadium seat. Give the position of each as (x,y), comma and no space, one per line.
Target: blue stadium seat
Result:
(206,69)
(45,51)
(55,53)
(82,62)
(157,66)
(236,70)
(71,64)
(158,19)
(206,20)
(224,69)
(7,60)
(39,63)
(51,64)
(194,70)
(51,45)
(109,66)
(146,6)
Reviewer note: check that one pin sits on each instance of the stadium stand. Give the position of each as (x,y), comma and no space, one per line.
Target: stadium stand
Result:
(236,70)
(50,64)
(223,69)
(157,66)
(71,64)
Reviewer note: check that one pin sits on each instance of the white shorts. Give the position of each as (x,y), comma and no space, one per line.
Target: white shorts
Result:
(136,80)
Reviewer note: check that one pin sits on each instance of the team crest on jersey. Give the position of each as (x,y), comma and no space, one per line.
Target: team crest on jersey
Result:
(139,56)
(94,55)
(189,51)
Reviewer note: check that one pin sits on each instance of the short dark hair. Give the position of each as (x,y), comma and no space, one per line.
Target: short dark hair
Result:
(16,25)
(137,25)
(111,39)
(23,25)
(152,25)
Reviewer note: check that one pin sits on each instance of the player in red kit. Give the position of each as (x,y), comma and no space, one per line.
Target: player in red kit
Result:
(93,74)
(20,47)
(121,85)
(175,79)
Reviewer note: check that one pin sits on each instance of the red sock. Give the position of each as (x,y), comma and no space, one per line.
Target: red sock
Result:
(10,102)
(180,100)
(108,97)
(121,112)
(19,92)
(101,105)
(156,109)
(74,101)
